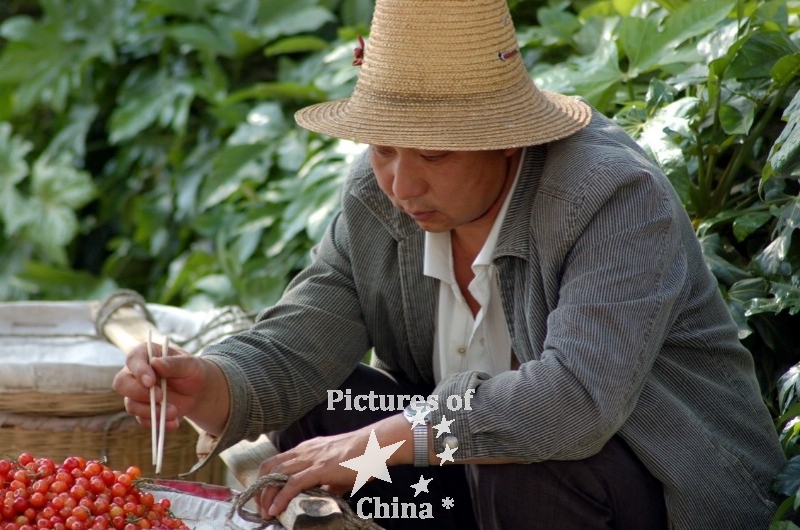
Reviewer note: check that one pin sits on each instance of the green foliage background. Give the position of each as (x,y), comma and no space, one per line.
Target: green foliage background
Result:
(150,144)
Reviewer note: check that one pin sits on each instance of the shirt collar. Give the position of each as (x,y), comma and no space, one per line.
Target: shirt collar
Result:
(438,261)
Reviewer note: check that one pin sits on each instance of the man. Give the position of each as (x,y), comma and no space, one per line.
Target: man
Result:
(515,259)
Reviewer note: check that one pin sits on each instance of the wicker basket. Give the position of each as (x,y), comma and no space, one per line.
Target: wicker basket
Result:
(116,437)
(63,405)
(53,362)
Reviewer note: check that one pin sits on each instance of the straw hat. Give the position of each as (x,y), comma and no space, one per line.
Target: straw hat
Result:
(445,75)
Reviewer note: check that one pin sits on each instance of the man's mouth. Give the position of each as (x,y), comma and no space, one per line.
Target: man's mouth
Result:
(420,215)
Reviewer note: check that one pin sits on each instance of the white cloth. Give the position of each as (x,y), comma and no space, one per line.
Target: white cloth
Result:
(52,347)
(206,514)
(463,342)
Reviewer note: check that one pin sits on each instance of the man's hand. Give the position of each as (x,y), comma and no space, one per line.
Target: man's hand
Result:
(196,388)
(316,462)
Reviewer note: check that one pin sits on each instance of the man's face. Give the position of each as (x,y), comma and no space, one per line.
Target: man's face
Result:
(443,190)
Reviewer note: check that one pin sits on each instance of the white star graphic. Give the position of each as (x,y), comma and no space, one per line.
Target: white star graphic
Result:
(421,486)
(419,417)
(372,463)
(448,503)
(447,454)
(444,426)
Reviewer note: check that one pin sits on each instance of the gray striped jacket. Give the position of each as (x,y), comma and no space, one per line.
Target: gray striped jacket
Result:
(616,321)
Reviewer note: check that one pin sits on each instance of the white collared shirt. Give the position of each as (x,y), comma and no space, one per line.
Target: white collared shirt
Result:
(463,342)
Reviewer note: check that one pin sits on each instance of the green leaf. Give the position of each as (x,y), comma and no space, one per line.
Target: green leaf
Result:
(201,37)
(150,98)
(787,481)
(593,33)
(657,137)
(624,7)
(72,138)
(278,17)
(269,91)
(772,259)
(773,12)
(746,224)
(13,169)
(747,289)
(593,76)
(694,18)
(725,271)
(56,181)
(792,411)
(187,8)
(305,43)
(59,283)
(13,150)
(21,28)
(186,270)
(645,44)
(736,115)
(659,94)
(356,12)
(637,36)
(784,525)
(41,72)
(786,69)
(559,23)
(784,158)
(755,55)
(601,8)
(671,5)
(232,166)
(49,219)
(737,311)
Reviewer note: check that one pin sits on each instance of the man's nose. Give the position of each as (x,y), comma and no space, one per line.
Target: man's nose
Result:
(407,184)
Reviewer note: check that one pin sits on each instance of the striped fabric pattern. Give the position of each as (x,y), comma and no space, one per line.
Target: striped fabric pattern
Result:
(616,321)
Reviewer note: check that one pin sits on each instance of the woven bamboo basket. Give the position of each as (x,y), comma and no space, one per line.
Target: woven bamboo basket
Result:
(64,405)
(118,438)
(54,364)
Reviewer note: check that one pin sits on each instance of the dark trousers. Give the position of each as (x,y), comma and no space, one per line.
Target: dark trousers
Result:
(611,489)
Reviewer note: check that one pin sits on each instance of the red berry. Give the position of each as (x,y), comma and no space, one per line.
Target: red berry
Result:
(38,500)
(20,504)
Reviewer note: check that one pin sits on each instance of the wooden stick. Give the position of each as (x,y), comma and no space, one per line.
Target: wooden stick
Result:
(153,421)
(162,431)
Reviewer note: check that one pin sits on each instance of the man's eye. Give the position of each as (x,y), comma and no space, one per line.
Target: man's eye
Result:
(381,151)
(433,157)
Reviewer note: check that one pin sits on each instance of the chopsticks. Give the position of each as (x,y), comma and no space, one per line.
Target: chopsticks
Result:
(157,426)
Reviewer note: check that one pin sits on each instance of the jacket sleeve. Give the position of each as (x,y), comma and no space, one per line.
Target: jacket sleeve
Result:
(619,279)
(310,341)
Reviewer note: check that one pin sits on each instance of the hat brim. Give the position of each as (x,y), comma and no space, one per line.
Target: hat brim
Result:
(448,125)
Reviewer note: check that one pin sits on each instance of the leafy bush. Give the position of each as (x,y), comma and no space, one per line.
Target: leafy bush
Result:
(150,144)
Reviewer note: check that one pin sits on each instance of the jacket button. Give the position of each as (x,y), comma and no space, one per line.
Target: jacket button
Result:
(451,442)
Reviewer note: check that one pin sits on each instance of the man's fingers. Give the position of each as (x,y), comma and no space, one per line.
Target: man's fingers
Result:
(138,365)
(264,501)
(296,484)
(142,412)
(176,366)
(339,491)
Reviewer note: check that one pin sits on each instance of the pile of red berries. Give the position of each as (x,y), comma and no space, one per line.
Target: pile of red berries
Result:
(77,495)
